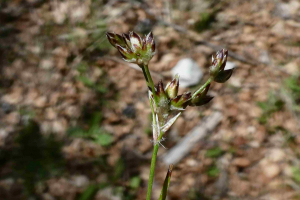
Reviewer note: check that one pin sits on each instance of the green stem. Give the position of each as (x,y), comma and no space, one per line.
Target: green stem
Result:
(151,83)
(152,168)
(156,145)
(145,75)
(203,86)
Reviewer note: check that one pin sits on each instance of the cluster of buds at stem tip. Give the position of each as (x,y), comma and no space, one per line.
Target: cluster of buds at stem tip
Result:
(217,70)
(132,47)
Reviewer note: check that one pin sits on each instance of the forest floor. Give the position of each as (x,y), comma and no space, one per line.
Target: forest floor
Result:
(75,121)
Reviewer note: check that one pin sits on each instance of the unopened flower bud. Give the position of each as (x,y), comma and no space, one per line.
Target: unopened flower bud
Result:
(219,62)
(172,87)
(181,101)
(223,76)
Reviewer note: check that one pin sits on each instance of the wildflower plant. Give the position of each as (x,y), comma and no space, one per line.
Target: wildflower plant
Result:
(165,102)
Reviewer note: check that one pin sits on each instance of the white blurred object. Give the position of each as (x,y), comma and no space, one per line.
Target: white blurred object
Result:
(230,65)
(189,72)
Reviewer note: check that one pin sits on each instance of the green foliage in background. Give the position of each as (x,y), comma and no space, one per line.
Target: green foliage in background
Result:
(34,158)
(293,85)
(100,86)
(213,171)
(95,132)
(273,104)
(296,174)
(214,152)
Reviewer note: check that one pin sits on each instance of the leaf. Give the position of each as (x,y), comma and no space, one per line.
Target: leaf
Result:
(104,139)
(77,132)
(135,182)
(89,193)
(119,169)
(296,174)
(164,190)
(214,153)
(86,81)
(213,171)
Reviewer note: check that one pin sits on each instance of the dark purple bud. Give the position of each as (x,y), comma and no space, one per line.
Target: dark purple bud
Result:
(150,43)
(115,39)
(160,92)
(149,38)
(153,46)
(181,101)
(223,76)
(127,40)
(159,87)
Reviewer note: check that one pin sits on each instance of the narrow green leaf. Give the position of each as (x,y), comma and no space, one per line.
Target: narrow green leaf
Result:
(164,190)
(214,152)
(89,193)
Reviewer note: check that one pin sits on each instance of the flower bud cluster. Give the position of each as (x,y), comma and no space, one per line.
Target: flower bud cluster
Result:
(132,47)
(180,102)
(166,102)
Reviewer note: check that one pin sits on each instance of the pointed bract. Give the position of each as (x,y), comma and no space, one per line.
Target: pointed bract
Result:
(115,39)
(181,101)
(202,101)
(223,76)
(127,54)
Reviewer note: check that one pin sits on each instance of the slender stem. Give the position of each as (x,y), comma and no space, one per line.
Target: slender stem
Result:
(151,83)
(156,145)
(203,86)
(145,75)
(152,168)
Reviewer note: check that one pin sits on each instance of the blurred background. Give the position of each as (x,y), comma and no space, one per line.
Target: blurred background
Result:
(75,121)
